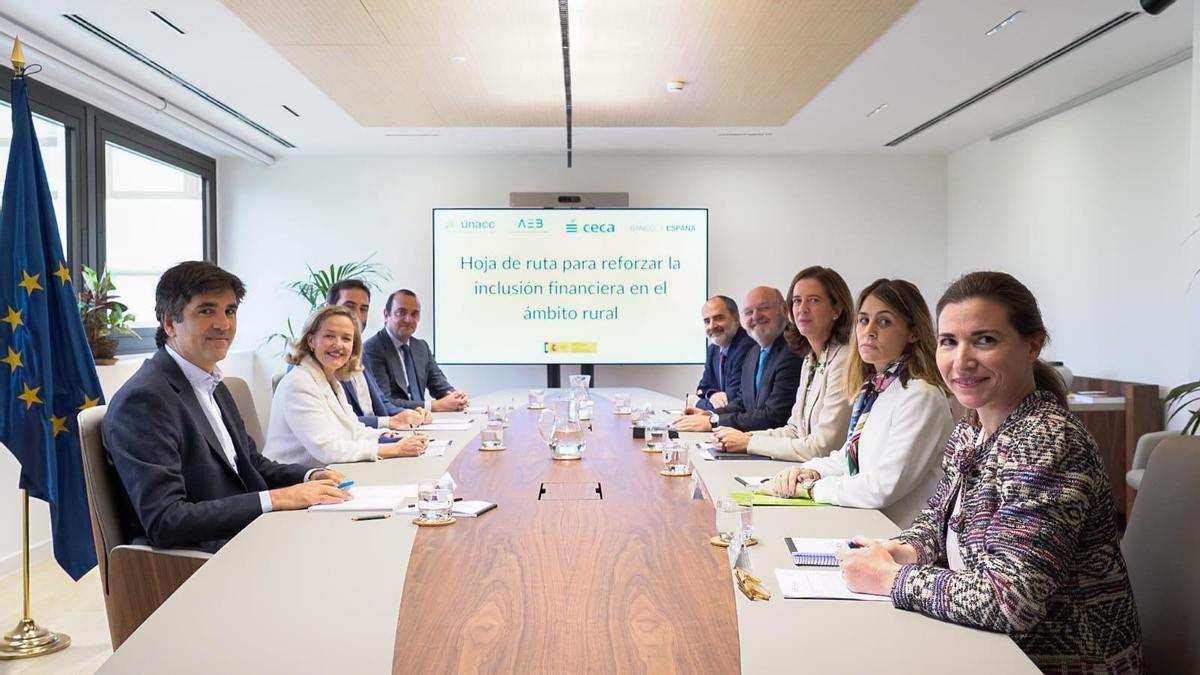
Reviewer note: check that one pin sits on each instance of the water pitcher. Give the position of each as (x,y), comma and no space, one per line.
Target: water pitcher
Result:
(565,437)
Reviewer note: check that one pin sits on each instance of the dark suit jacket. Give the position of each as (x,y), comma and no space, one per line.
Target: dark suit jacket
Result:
(379,406)
(383,364)
(772,405)
(180,486)
(732,375)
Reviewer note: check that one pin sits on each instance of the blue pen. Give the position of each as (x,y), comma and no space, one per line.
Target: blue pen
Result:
(343,486)
(853,544)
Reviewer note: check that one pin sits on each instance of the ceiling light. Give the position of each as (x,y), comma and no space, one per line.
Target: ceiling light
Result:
(996,29)
(879,109)
(458,60)
(743,134)
(675,86)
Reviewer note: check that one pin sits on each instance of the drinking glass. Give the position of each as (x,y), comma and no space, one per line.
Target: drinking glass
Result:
(622,404)
(734,521)
(537,399)
(434,500)
(492,436)
(656,434)
(675,456)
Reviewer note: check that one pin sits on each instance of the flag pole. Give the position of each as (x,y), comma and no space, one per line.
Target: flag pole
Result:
(27,638)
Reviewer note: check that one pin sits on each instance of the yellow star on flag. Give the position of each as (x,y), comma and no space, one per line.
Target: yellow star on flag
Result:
(13,359)
(30,283)
(30,396)
(14,318)
(89,402)
(58,425)
(63,273)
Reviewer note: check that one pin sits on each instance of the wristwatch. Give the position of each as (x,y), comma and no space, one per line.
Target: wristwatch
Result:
(804,489)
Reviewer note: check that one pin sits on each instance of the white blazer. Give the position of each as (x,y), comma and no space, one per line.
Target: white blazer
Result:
(819,418)
(312,423)
(899,454)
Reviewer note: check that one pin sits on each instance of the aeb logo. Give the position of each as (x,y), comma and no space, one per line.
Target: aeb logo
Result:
(530,224)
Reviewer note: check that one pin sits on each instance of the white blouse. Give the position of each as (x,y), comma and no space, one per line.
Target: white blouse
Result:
(899,454)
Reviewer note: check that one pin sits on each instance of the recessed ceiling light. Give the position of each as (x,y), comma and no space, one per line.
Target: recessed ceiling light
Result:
(458,60)
(675,86)
(998,27)
(879,109)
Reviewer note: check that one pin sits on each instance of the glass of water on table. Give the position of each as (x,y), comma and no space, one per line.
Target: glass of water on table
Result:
(435,499)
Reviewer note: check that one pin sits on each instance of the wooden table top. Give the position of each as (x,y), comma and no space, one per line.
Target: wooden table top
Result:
(625,583)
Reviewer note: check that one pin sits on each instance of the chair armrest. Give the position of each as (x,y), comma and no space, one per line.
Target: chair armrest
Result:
(179,552)
(1145,447)
(140,579)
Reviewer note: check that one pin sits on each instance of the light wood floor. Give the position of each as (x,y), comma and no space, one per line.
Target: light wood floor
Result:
(74,608)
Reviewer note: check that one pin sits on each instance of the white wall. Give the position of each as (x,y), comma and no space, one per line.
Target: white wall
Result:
(1090,210)
(865,216)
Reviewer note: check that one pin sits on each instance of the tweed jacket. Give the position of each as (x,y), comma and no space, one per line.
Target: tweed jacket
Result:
(1038,538)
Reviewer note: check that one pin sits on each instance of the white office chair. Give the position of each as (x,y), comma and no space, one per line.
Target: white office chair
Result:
(1161,549)
(275,381)
(1141,456)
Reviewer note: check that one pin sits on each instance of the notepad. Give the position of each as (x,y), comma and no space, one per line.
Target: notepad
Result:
(445,426)
(372,498)
(463,509)
(752,499)
(438,447)
(475,410)
(819,584)
(813,552)
(709,453)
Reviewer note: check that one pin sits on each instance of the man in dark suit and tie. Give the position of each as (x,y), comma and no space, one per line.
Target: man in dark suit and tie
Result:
(402,365)
(192,474)
(362,393)
(770,374)
(721,381)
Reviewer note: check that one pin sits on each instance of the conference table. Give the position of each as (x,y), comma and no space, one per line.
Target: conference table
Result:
(593,566)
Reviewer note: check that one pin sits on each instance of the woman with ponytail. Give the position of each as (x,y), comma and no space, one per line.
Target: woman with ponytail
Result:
(1020,536)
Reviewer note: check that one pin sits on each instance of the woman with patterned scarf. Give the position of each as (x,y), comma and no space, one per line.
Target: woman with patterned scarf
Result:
(1020,535)
(900,418)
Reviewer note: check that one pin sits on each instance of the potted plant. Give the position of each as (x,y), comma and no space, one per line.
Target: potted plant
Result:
(315,288)
(103,317)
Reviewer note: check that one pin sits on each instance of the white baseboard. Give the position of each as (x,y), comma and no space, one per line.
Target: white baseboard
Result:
(38,551)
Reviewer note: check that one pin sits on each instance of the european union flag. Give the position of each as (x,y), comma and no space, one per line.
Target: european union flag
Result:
(46,365)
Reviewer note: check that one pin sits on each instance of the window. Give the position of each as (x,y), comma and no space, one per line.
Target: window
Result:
(125,199)
(154,218)
(52,138)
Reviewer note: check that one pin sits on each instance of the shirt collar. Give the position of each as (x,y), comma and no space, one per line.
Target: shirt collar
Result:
(195,374)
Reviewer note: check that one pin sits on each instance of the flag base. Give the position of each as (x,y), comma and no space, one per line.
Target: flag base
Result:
(28,639)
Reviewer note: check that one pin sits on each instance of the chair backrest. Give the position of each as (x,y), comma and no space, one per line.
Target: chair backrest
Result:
(105,493)
(1161,549)
(275,380)
(245,405)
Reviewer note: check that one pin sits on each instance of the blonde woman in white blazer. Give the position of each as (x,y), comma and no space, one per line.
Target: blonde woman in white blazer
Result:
(820,326)
(891,455)
(311,421)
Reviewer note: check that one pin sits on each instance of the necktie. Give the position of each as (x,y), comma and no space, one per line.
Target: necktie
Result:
(720,371)
(762,362)
(410,371)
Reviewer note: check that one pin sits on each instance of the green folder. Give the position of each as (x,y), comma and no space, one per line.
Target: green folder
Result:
(751,499)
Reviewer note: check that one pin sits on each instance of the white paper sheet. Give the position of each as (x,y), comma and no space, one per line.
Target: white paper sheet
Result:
(372,498)
(818,583)
(445,426)
(437,447)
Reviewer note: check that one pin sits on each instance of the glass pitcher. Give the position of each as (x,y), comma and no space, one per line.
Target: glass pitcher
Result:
(566,431)
(580,392)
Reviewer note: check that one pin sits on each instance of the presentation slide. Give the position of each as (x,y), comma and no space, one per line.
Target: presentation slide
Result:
(602,286)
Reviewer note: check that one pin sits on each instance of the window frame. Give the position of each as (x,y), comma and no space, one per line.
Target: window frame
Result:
(88,128)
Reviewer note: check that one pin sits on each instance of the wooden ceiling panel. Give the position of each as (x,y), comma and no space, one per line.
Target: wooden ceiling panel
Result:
(308,22)
(746,62)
